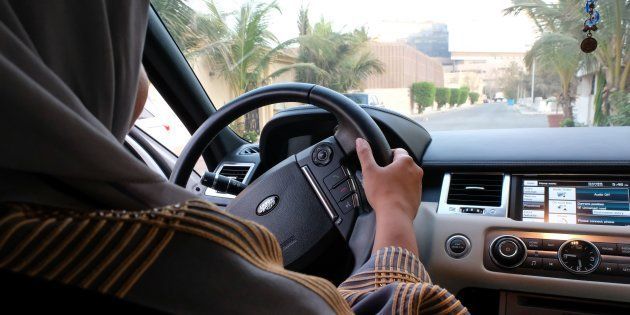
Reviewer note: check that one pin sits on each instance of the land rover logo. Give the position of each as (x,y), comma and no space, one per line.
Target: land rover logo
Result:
(267,205)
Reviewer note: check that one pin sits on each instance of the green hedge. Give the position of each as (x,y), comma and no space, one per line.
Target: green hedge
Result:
(454,98)
(442,96)
(474,97)
(463,95)
(424,94)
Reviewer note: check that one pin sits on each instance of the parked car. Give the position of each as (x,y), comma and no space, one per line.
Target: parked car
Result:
(364,99)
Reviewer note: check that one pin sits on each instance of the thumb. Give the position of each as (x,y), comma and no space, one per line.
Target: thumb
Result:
(364,151)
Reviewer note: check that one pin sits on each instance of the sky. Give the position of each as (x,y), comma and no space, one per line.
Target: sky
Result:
(473,25)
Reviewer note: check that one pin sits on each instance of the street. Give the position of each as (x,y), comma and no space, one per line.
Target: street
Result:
(481,116)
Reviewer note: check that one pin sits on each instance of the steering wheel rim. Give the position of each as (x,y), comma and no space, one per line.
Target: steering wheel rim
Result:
(278,93)
(298,174)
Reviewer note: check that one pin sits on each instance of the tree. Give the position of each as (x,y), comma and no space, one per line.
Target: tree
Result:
(511,79)
(238,45)
(185,26)
(454,97)
(423,94)
(474,97)
(341,60)
(557,45)
(463,95)
(621,102)
(442,96)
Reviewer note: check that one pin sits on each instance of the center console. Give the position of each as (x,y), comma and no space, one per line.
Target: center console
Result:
(568,200)
(570,256)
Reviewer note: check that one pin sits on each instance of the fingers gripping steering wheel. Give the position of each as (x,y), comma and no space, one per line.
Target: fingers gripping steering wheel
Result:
(307,195)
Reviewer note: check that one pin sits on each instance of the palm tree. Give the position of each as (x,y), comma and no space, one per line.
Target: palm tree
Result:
(191,31)
(560,54)
(238,45)
(559,24)
(342,59)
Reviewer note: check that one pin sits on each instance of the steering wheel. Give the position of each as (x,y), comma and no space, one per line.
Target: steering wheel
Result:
(301,199)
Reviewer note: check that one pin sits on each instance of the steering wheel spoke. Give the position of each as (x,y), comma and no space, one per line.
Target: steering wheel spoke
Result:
(325,167)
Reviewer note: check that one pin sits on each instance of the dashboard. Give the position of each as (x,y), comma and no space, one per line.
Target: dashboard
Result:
(518,211)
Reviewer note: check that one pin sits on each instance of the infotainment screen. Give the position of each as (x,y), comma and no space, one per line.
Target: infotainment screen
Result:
(576,201)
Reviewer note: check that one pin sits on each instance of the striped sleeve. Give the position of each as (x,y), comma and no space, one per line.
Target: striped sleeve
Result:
(394,281)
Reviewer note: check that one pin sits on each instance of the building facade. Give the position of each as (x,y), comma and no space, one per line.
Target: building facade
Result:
(432,40)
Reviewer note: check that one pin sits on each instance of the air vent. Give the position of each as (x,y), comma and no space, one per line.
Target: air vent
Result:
(475,190)
(250,150)
(236,171)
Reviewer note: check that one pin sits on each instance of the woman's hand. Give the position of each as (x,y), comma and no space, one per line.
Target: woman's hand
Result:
(394,192)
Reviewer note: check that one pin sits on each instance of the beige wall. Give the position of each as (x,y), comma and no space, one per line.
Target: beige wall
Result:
(395,99)
(404,65)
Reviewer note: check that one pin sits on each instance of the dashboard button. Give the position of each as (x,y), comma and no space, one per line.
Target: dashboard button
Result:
(348,204)
(624,249)
(533,263)
(335,178)
(551,264)
(508,248)
(533,243)
(624,269)
(340,192)
(608,268)
(508,251)
(552,245)
(607,248)
(457,246)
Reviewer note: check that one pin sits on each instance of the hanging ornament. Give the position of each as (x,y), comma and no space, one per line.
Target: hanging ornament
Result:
(589,44)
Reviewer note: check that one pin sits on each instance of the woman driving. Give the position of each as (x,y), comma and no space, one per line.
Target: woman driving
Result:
(78,209)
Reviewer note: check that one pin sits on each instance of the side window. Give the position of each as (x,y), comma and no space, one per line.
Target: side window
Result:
(160,122)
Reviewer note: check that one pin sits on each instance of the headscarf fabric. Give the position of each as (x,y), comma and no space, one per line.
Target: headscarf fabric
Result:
(68,79)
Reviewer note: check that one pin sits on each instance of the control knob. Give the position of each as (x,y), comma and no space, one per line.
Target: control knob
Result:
(508,251)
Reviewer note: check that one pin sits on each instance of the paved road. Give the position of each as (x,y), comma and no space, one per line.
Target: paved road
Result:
(483,116)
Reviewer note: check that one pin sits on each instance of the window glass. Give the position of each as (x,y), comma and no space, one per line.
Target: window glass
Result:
(160,122)
(447,64)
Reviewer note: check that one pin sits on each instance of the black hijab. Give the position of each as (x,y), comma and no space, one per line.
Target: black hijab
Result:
(68,79)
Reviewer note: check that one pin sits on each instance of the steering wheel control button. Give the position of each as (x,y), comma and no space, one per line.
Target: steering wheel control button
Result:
(342,191)
(533,243)
(322,155)
(348,204)
(335,178)
(508,251)
(508,248)
(533,263)
(267,205)
(457,246)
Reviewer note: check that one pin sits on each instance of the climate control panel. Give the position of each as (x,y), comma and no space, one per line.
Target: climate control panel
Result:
(584,257)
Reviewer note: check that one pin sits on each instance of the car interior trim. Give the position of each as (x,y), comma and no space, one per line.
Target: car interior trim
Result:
(318,192)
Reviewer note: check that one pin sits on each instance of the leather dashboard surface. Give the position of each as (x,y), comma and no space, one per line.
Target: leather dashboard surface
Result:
(537,146)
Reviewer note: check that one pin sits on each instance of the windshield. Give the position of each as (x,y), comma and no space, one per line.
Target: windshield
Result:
(447,64)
